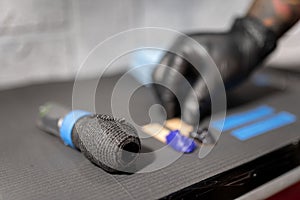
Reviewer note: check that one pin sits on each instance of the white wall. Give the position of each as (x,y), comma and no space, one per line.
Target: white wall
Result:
(43,40)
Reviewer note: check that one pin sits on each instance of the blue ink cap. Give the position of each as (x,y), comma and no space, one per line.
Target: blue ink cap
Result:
(180,142)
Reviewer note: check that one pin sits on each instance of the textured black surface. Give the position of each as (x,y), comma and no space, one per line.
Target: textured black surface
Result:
(35,165)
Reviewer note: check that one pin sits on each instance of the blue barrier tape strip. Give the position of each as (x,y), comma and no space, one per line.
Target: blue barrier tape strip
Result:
(236,120)
(274,122)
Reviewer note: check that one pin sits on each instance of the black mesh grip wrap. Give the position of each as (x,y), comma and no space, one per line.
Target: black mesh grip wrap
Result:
(110,143)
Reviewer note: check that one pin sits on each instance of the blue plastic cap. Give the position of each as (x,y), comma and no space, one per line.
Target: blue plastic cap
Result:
(68,123)
(180,142)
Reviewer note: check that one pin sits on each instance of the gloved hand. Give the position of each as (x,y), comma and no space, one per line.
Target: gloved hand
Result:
(236,53)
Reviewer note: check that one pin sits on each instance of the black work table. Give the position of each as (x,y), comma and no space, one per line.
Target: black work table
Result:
(36,165)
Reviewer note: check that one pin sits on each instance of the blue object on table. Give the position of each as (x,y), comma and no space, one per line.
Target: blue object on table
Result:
(180,142)
(238,119)
(274,122)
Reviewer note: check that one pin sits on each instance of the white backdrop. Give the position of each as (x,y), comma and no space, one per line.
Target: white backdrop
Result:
(43,40)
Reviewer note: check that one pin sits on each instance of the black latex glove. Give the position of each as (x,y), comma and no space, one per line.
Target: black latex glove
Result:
(236,53)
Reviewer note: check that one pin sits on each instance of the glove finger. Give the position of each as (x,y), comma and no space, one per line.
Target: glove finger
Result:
(171,86)
(197,103)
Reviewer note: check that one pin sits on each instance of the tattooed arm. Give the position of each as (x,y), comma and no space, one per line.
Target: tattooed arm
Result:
(278,15)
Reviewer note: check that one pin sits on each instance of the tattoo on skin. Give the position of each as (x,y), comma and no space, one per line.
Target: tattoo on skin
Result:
(278,15)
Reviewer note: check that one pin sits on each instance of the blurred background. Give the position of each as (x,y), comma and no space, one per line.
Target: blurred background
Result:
(46,40)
